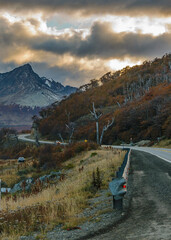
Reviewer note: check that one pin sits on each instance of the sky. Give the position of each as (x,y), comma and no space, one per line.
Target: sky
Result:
(74,41)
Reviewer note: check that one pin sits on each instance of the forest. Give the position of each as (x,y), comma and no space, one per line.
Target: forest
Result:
(137,98)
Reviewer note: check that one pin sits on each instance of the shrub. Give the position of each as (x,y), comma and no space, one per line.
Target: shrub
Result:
(93,154)
(69,166)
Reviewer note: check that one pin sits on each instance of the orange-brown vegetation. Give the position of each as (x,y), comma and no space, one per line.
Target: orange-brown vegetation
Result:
(138,97)
(49,155)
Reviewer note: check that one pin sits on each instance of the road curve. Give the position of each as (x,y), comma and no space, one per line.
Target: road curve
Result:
(149,216)
(163,153)
(25,138)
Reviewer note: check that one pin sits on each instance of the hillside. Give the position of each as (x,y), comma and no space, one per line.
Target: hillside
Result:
(139,98)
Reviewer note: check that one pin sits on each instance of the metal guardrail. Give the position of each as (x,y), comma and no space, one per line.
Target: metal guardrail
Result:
(118,185)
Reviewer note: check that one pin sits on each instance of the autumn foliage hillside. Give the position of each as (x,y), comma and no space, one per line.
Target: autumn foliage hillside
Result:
(138,98)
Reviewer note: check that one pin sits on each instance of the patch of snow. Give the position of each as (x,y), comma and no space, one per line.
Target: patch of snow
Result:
(48,83)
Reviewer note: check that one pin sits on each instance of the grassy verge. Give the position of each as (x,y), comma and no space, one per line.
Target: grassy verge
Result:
(62,202)
(166,143)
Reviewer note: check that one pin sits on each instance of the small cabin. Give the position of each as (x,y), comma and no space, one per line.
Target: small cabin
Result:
(21,159)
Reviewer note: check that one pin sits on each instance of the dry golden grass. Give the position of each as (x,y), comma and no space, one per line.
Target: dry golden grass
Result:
(9,177)
(62,202)
(166,143)
(9,170)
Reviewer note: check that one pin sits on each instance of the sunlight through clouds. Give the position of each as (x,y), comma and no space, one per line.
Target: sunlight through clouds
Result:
(145,25)
(85,42)
(116,64)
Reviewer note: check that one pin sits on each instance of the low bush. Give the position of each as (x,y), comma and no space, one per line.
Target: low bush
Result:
(93,154)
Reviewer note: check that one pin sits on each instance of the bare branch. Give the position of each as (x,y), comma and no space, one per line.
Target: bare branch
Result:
(105,128)
(96,117)
(62,140)
(71,129)
(95,114)
(119,105)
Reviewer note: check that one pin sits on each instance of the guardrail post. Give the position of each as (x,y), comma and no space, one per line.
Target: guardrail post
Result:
(117,204)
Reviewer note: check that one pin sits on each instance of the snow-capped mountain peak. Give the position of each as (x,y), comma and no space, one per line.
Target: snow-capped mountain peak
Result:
(24,87)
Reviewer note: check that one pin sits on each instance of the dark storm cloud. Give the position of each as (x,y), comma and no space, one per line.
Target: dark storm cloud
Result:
(88,7)
(103,43)
(60,74)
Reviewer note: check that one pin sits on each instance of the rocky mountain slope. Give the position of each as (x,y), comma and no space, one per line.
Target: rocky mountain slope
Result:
(24,87)
(23,93)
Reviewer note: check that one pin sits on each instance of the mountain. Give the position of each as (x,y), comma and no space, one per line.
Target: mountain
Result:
(138,98)
(24,87)
(23,93)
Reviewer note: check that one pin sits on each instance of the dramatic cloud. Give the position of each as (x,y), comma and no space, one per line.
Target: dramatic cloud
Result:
(102,42)
(75,41)
(82,7)
(74,74)
(74,55)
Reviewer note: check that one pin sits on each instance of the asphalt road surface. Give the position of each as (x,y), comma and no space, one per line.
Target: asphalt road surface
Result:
(163,153)
(149,216)
(25,138)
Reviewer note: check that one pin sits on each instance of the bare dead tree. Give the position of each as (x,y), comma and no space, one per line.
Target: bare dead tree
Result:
(60,135)
(96,116)
(71,128)
(105,128)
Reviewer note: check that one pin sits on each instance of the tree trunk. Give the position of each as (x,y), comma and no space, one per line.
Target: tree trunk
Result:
(101,138)
(97,131)
(62,140)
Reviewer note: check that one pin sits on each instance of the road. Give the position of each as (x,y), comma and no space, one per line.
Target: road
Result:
(25,138)
(149,215)
(163,153)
